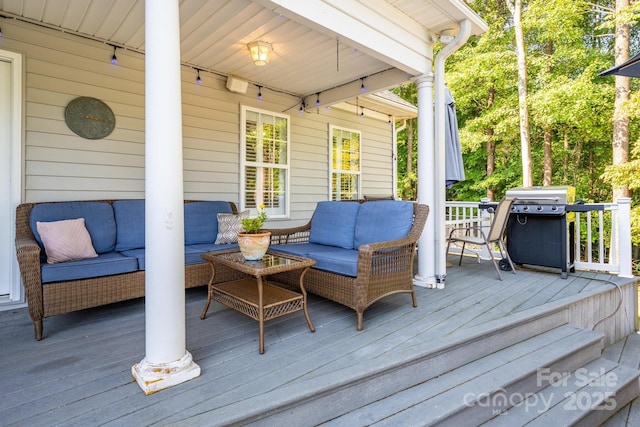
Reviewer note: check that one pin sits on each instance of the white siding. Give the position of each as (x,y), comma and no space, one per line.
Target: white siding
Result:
(59,165)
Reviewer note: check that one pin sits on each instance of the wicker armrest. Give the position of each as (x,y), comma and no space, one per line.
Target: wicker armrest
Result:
(299,234)
(28,254)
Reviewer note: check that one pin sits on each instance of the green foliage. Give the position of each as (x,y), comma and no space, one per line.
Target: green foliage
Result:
(569,42)
(253,225)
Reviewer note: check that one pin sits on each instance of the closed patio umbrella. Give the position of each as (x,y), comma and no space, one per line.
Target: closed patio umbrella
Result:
(454,168)
(630,68)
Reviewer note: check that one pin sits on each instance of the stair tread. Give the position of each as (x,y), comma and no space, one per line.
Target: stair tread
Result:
(571,398)
(446,394)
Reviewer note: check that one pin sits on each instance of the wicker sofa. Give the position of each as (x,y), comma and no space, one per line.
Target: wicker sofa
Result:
(116,229)
(364,251)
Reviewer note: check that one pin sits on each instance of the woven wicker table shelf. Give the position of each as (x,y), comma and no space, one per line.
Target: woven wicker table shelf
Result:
(254,296)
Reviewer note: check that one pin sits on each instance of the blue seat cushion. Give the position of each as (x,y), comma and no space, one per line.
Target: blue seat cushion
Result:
(191,253)
(334,224)
(98,218)
(301,249)
(383,220)
(339,261)
(329,258)
(129,216)
(201,221)
(104,265)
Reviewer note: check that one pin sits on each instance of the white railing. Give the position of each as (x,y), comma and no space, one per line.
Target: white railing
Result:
(602,237)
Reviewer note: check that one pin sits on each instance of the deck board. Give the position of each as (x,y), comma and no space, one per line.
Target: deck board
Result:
(80,373)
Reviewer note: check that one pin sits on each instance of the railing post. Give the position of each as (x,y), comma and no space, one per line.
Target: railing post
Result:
(624,235)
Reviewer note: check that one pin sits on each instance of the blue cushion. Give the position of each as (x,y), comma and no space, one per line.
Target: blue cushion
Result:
(301,249)
(98,218)
(329,258)
(201,221)
(130,224)
(191,253)
(138,255)
(334,224)
(383,220)
(209,247)
(104,265)
(339,261)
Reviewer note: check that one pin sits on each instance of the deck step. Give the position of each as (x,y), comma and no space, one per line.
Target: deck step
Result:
(588,396)
(324,396)
(476,392)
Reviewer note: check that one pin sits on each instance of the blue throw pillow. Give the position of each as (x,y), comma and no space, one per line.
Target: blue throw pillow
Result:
(98,218)
(334,224)
(383,220)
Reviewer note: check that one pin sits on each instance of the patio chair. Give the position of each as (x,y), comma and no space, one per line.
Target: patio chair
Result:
(493,237)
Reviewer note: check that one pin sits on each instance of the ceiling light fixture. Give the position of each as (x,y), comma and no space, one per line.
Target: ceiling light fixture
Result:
(259,93)
(318,99)
(302,107)
(198,79)
(114,59)
(260,52)
(362,88)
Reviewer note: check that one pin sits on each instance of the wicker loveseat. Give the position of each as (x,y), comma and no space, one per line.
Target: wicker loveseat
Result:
(116,229)
(363,251)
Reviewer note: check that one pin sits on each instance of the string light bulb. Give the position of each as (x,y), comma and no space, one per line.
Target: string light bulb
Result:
(198,79)
(362,112)
(302,108)
(318,99)
(362,88)
(259,93)
(114,58)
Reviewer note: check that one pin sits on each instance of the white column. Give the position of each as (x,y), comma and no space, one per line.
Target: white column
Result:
(624,236)
(426,181)
(166,362)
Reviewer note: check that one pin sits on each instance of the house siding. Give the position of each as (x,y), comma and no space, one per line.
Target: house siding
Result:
(60,165)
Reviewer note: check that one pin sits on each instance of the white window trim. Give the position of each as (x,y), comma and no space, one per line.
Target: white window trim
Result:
(332,170)
(243,159)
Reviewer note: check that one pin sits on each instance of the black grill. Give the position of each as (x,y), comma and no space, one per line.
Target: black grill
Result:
(540,230)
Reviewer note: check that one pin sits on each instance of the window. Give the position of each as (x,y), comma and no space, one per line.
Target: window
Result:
(265,162)
(345,163)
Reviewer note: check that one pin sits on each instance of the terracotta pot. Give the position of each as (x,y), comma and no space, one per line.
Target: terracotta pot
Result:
(254,245)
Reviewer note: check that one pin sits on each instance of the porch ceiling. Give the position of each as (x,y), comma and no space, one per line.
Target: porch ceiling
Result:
(324,46)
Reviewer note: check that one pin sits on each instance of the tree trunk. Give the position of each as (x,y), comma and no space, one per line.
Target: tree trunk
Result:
(620,119)
(491,147)
(515,6)
(409,146)
(547,167)
(547,164)
(491,161)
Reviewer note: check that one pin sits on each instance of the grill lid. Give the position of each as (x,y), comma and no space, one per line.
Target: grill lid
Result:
(551,195)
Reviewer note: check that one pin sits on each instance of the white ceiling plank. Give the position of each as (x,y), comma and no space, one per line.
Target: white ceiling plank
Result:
(325,18)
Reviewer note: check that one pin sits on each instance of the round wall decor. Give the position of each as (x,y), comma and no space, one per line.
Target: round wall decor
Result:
(89,117)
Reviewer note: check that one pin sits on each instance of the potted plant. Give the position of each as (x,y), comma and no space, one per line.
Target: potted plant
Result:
(254,241)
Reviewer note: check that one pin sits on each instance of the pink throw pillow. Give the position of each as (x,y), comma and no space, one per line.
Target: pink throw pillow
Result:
(66,240)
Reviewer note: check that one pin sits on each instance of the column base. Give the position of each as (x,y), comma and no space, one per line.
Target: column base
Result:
(152,377)
(424,281)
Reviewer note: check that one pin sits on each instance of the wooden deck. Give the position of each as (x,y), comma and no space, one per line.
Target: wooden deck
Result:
(80,373)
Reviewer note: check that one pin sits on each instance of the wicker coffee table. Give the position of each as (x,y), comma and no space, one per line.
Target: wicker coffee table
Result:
(254,296)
